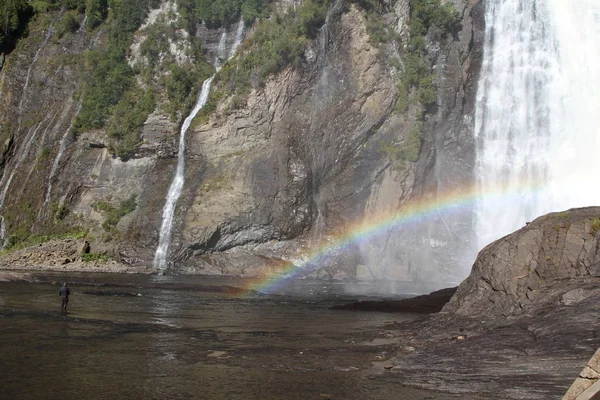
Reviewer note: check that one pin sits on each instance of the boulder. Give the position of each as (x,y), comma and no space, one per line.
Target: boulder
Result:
(522,325)
(553,260)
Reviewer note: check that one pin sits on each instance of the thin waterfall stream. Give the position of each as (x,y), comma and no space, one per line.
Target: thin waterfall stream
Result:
(176,188)
(537,123)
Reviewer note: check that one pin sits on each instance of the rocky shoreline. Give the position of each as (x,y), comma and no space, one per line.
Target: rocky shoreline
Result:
(67,255)
(521,326)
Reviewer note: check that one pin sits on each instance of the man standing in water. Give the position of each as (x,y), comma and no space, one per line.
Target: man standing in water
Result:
(64,293)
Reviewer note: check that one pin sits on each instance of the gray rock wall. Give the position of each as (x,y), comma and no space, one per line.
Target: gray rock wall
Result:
(552,260)
(297,167)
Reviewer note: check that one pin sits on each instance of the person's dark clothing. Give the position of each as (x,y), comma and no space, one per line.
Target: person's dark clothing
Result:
(64,293)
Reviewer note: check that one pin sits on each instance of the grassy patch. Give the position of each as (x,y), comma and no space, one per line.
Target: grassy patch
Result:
(17,243)
(595,226)
(91,257)
(114,214)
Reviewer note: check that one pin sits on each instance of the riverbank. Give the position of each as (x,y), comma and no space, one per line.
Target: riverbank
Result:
(535,357)
(149,337)
(67,255)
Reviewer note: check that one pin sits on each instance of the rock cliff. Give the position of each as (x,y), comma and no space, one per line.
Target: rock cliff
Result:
(552,260)
(293,167)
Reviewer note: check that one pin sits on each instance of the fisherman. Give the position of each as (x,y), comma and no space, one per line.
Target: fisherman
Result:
(64,293)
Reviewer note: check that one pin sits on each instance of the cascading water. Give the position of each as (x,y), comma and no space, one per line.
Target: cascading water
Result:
(239,35)
(3,238)
(537,121)
(166,229)
(160,258)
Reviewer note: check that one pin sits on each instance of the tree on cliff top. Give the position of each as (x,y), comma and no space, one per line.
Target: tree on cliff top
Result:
(14,15)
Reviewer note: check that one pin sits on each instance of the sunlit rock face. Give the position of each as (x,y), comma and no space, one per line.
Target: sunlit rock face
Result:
(282,179)
(315,170)
(552,260)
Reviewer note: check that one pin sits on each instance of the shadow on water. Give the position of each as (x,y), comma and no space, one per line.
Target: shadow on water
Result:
(160,341)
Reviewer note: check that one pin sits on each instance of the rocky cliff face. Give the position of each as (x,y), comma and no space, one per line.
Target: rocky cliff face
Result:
(292,169)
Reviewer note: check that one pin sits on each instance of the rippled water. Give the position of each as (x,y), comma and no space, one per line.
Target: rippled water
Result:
(142,339)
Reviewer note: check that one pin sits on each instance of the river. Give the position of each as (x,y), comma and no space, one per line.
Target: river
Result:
(144,337)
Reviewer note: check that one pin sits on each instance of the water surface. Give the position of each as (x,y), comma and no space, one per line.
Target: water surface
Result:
(159,337)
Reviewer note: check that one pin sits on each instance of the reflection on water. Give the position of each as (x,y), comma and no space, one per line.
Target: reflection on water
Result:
(181,343)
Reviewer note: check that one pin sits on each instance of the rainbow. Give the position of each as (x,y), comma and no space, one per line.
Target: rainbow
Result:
(429,206)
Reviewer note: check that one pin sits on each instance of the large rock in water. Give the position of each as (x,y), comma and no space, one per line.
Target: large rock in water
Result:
(522,325)
(551,260)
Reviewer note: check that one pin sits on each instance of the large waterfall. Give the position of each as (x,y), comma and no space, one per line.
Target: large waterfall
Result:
(176,188)
(537,121)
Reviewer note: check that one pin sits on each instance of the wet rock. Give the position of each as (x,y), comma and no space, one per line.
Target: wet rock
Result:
(426,304)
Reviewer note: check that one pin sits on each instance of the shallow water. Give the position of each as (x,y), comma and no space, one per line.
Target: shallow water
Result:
(139,338)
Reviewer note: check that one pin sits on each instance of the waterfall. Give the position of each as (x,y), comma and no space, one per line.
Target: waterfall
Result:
(166,229)
(82,26)
(3,238)
(160,258)
(239,35)
(537,121)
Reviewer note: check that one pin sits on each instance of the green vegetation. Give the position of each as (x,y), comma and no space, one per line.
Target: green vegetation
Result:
(216,13)
(412,144)
(91,257)
(595,226)
(25,228)
(407,151)
(160,69)
(276,44)
(14,15)
(68,24)
(119,98)
(16,242)
(60,211)
(416,82)
(96,12)
(112,96)
(114,214)
(127,120)
(417,73)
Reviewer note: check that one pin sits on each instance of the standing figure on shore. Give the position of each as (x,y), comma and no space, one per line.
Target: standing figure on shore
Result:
(64,293)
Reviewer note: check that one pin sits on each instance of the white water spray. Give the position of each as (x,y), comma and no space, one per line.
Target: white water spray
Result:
(3,238)
(160,258)
(166,229)
(537,120)
(239,35)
